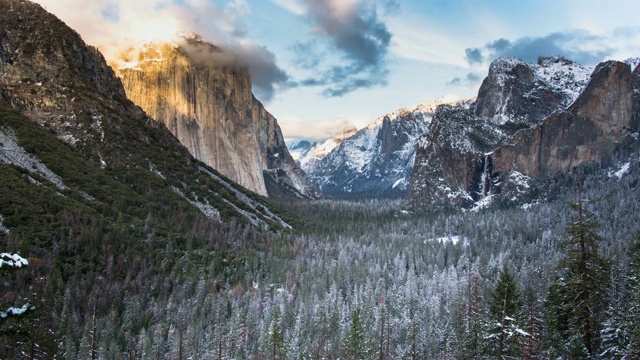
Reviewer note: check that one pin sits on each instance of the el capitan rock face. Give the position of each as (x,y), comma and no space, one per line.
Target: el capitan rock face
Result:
(468,158)
(205,100)
(208,109)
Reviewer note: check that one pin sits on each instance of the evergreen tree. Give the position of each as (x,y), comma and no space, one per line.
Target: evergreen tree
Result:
(356,345)
(631,323)
(503,330)
(277,348)
(531,344)
(576,301)
(474,317)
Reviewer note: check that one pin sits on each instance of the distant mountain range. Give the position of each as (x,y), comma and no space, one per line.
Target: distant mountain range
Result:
(528,123)
(375,161)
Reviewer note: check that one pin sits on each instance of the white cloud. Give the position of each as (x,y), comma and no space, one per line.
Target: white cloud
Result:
(295,127)
(101,22)
(421,43)
(290,5)
(118,26)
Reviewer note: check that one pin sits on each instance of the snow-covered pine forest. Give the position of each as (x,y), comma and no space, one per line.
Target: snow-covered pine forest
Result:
(372,280)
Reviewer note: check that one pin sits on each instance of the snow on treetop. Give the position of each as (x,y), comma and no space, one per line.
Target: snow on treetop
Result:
(12,260)
(13,311)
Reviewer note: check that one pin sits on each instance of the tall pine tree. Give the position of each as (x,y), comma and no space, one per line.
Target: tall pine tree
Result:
(631,323)
(503,326)
(277,348)
(356,345)
(575,306)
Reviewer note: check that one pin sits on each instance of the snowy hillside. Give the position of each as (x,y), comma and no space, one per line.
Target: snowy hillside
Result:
(376,160)
(314,155)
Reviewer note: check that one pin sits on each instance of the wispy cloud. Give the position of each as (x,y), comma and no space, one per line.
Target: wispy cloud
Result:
(471,79)
(578,45)
(350,44)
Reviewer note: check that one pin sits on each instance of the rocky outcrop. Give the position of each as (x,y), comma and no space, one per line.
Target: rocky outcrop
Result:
(279,167)
(49,74)
(586,132)
(469,159)
(206,102)
(450,158)
(518,94)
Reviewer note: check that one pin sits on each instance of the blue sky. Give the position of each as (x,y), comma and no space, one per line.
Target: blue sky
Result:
(320,64)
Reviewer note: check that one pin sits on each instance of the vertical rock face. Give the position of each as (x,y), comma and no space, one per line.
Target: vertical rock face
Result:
(205,100)
(279,168)
(450,157)
(209,109)
(584,133)
(473,154)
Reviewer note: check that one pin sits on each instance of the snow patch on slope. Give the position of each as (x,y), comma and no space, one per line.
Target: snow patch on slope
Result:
(557,74)
(14,154)
(622,171)
(256,206)
(454,239)
(3,229)
(566,76)
(206,209)
(310,160)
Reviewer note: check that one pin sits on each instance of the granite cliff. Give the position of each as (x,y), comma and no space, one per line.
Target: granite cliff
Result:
(204,98)
(530,122)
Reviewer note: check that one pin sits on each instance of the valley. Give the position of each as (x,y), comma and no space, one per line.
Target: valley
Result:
(150,209)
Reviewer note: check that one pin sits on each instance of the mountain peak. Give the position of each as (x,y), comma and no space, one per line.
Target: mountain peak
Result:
(514,86)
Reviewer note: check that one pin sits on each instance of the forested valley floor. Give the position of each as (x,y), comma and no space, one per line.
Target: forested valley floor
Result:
(363,279)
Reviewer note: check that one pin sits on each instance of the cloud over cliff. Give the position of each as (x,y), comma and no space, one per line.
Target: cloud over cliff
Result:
(117,26)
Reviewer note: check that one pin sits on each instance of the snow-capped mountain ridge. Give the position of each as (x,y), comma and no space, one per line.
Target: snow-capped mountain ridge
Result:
(377,159)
